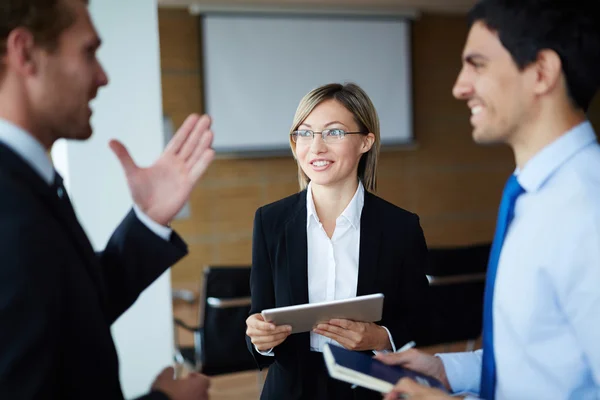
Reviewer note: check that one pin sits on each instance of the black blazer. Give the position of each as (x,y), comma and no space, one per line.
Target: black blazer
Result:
(58,298)
(391,261)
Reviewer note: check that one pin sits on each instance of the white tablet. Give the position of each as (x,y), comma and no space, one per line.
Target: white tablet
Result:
(304,317)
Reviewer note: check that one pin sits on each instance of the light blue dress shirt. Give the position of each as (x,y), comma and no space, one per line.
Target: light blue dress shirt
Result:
(547,293)
(32,151)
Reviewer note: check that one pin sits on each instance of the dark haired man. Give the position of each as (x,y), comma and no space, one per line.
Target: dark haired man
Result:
(530,71)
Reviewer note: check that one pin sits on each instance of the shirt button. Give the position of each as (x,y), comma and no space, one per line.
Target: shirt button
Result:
(60,192)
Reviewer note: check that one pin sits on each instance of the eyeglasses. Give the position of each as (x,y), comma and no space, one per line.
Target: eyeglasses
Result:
(328,135)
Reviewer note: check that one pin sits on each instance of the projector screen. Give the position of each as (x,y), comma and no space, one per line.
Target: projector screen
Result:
(258,67)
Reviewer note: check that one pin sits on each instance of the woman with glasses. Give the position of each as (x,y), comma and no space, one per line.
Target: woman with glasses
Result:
(333,240)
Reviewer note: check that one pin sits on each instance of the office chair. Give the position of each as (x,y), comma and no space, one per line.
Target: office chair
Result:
(219,340)
(456,278)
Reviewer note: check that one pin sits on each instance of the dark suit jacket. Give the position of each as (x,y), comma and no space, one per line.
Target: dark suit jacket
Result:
(58,298)
(391,261)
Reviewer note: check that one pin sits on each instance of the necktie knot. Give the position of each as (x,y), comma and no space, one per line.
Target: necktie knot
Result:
(58,186)
(512,189)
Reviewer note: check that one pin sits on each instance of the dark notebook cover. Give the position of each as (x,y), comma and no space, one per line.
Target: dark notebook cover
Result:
(367,365)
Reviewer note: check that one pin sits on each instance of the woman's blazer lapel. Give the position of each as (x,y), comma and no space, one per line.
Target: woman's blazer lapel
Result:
(370,242)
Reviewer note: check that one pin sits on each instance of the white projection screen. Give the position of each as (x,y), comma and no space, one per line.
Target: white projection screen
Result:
(258,67)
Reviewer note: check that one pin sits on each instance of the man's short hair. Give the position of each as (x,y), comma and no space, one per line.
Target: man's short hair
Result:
(45,19)
(568,27)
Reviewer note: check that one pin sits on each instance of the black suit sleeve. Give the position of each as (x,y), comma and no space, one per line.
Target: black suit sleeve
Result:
(32,298)
(30,308)
(261,282)
(410,321)
(135,257)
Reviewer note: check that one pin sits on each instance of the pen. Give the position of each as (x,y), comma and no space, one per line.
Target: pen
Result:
(407,346)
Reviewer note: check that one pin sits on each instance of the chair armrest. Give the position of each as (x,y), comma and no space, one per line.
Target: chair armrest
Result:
(228,302)
(185,295)
(185,326)
(435,280)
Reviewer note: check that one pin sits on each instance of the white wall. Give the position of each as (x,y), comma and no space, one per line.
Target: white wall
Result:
(129,109)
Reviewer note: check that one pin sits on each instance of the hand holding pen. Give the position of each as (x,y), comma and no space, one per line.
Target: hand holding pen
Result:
(406,347)
(417,361)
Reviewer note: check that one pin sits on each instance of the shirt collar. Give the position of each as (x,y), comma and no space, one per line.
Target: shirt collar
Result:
(310,206)
(354,209)
(352,212)
(28,148)
(541,167)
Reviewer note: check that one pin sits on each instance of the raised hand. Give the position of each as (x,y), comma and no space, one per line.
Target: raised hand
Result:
(162,189)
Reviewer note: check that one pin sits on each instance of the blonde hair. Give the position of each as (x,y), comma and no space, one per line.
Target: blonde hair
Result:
(359,104)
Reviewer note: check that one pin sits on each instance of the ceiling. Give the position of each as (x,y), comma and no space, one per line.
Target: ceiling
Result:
(435,6)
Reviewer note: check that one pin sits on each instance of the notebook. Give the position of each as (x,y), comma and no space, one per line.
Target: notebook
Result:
(364,370)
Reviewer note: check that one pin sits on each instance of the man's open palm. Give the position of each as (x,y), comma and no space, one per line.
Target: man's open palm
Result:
(162,189)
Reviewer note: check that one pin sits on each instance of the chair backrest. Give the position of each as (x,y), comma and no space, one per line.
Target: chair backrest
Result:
(457,278)
(224,307)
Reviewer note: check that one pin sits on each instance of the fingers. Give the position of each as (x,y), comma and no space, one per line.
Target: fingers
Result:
(167,373)
(192,146)
(343,323)
(268,342)
(269,345)
(393,395)
(194,385)
(265,335)
(255,332)
(337,331)
(257,326)
(201,157)
(196,145)
(190,143)
(265,339)
(407,385)
(349,344)
(201,165)
(182,133)
(256,321)
(199,139)
(403,389)
(201,380)
(193,123)
(257,316)
(407,388)
(123,155)
(401,358)
(346,338)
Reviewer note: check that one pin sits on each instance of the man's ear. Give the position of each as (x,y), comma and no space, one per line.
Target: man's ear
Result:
(21,51)
(548,68)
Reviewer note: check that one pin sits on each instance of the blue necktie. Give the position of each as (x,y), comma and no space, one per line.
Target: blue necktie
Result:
(512,190)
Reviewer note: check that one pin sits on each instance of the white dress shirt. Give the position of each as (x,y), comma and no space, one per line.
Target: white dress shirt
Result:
(34,153)
(546,305)
(333,263)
